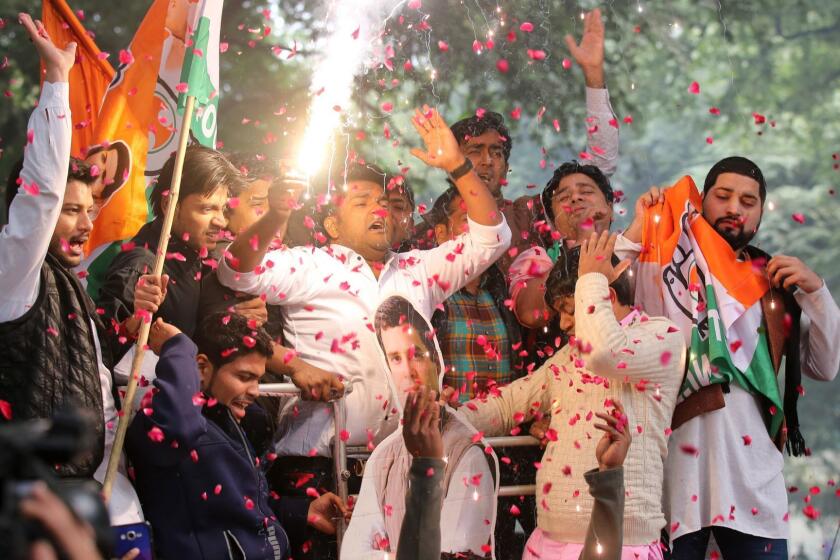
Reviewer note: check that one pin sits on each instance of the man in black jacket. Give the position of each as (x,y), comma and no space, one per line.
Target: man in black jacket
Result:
(54,350)
(208,177)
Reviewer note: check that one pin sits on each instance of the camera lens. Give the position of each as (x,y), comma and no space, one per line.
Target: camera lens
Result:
(131,535)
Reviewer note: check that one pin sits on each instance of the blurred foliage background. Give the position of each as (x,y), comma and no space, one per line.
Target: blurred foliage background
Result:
(770,68)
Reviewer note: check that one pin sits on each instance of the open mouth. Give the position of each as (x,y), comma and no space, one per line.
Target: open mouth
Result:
(239,406)
(377,226)
(486,177)
(75,245)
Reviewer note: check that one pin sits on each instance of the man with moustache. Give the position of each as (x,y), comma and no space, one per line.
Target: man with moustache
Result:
(737,472)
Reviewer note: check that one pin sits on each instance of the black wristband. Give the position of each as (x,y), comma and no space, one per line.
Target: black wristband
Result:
(461,170)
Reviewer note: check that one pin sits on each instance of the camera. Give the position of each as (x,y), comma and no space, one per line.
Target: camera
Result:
(30,449)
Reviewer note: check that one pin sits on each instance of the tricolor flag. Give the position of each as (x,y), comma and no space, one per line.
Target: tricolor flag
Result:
(89,77)
(175,48)
(690,274)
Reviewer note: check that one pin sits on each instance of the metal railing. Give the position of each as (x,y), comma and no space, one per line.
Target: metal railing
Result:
(341,451)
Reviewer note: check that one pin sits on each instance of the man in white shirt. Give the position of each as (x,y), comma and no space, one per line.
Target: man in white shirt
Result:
(53,347)
(724,470)
(329,295)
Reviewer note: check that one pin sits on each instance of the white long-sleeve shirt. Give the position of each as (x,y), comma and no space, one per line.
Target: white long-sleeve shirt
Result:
(24,243)
(602,124)
(329,299)
(732,483)
(466,518)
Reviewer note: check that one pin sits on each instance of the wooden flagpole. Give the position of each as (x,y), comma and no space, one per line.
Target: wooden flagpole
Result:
(124,420)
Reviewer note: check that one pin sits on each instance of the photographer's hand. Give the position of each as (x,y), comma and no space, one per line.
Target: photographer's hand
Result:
(74,537)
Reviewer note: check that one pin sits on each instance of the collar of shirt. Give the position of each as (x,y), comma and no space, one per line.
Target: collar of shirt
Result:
(632,316)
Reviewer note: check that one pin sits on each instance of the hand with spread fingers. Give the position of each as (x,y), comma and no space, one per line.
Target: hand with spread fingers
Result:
(596,256)
(589,54)
(57,62)
(421,424)
(788,273)
(442,150)
(613,446)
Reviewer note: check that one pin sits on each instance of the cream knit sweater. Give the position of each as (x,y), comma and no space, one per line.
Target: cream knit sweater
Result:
(640,364)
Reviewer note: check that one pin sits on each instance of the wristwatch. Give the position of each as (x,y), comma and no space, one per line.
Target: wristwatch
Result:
(461,170)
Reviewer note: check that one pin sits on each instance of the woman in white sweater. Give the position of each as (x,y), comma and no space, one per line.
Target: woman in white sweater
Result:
(617,352)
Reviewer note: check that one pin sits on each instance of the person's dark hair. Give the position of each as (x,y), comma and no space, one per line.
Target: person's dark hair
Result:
(476,126)
(76,171)
(570,168)
(254,167)
(396,311)
(204,171)
(442,208)
(400,185)
(741,166)
(224,337)
(564,275)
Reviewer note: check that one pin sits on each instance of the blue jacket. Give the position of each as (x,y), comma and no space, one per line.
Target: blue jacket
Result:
(200,486)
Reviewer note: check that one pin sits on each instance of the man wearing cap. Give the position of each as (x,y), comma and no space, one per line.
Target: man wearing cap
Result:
(724,469)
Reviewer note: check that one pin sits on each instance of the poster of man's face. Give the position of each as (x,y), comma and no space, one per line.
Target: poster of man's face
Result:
(111,162)
(409,345)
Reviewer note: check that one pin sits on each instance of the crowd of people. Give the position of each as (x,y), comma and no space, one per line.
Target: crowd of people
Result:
(486,317)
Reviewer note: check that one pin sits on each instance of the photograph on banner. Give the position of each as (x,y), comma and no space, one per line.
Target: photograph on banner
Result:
(412,359)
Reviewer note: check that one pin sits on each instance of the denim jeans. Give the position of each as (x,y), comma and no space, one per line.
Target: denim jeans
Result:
(733,545)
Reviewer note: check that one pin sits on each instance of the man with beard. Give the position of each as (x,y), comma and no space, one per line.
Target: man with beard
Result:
(55,353)
(737,473)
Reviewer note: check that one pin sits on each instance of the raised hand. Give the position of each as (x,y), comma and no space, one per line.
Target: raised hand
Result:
(614,444)
(442,150)
(57,62)
(596,256)
(589,54)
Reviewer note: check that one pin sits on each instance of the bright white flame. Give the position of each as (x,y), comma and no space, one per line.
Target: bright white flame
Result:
(599,549)
(656,218)
(475,495)
(333,75)
(771,205)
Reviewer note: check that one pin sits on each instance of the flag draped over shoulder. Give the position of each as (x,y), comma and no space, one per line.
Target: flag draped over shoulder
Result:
(89,77)
(690,274)
(137,127)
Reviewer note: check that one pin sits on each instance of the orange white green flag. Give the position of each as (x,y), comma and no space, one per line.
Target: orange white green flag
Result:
(137,127)
(689,273)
